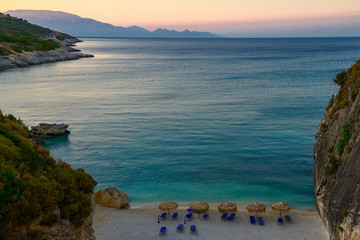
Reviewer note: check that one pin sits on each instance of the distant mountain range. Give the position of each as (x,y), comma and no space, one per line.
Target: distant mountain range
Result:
(86,27)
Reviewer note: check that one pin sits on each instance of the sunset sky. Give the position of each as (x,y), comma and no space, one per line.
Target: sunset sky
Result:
(223,16)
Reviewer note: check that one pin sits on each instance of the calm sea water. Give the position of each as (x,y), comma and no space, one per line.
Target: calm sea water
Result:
(184,119)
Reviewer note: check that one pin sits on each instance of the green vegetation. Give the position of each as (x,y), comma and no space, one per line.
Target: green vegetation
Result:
(353,95)
(332,166)
(345,137)
(340,78)
(33,184)
(341,228)
(60,37)
(18,35)
(344,212)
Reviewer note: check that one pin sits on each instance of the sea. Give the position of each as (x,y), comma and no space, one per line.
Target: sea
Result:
(187,120)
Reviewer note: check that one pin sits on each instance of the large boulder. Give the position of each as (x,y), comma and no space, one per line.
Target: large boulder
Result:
(111,197)
(45,130)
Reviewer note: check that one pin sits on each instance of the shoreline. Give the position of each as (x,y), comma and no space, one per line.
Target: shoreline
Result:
(63,53)
(142,223)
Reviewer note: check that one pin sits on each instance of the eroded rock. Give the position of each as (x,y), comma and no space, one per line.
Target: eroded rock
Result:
(111,197)
(45,130)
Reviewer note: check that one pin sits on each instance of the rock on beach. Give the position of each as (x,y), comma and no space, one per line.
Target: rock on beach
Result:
(111,197)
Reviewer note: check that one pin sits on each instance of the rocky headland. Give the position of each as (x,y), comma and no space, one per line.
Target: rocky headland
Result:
(337,159)
(65,52)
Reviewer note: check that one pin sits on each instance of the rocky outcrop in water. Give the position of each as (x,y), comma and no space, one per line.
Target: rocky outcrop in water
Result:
(45,130)
(111,197)
(26,59)
(337,160)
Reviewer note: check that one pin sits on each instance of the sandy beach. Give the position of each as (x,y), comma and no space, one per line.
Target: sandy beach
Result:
(142,223)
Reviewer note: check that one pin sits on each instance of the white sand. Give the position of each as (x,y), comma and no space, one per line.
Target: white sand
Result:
(142,223)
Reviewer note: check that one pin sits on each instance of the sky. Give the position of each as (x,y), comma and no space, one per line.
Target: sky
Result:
(226,17)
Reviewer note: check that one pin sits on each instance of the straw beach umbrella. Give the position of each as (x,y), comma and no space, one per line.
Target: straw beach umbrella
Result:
(281,207)
(167,206)
(256,207)
(199,207)
(227,207)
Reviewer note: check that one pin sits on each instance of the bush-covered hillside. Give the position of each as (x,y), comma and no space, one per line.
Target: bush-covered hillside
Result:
(18,35)
(33,184)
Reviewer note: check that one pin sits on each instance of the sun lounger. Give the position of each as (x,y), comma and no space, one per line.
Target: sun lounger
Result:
(280,220)
(260,220)
(175,215)
(180,228)
(193,228)
(163,215)
(232,216)
(224,216)
(189,215)
(252,220)
(288,218)
(163,230)
(206,216)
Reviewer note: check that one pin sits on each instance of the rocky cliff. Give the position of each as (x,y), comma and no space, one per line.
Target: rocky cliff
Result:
(337,159)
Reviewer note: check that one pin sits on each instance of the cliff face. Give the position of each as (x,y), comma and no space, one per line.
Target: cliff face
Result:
(337,159)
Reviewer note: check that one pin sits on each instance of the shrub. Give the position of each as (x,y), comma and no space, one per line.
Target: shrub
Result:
(344,212)
(332,166)
(60,37)
(345,137)
(341,228)
(340,78)
(353,96)
(17,49)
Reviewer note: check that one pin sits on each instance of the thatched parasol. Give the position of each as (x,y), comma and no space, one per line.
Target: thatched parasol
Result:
(256,207)
(280,206)
(227,207)
(199,207)
(167,206)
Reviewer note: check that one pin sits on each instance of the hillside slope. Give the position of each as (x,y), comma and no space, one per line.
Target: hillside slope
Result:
(40,198)
(337,159)
(18,35)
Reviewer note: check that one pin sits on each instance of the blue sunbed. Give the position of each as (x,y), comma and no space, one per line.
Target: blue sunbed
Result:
(163,230)
(260,220)
(280,220)
(175,215)
(252,220)
(189,215)
(224,216)
(193,228)
(163,215)
(288,218)
(232,216)
(206,216)
(180,228)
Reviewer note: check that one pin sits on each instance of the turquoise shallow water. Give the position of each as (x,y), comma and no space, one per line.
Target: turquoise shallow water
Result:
(188,119)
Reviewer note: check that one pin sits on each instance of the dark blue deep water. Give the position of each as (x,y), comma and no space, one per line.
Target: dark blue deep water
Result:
(188,119)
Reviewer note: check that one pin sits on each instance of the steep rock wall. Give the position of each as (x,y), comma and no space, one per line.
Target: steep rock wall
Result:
(337,160)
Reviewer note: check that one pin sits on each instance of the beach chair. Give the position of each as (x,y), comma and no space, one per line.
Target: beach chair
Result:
(163,215)
(288,218)
(162,230)
(252,220)
(175,215)
(206,216)
(189,215)
(224,216)
(232,216)
(193,228)
(280,220)
(260,220)
(180,228)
